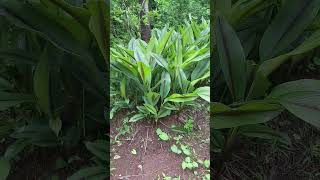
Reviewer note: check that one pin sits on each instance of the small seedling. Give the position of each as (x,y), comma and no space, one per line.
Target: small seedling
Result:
(175,149)
(185,149)
(162,135)
(188,126)
(188,163)
(124,129)
(133,151)
(206,163)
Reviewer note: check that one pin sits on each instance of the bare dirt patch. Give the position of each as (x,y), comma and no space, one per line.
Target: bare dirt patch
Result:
(154,156)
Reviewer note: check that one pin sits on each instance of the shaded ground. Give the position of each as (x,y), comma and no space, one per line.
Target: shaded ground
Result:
(41,164)
(266,160)
(35,163)
(154,156)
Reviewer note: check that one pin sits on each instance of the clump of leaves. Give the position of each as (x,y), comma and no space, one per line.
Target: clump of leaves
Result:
(189,164)
(164,74)
(188,126)
(124,129)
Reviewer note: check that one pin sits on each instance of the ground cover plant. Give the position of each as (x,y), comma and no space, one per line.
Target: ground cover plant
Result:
(252,43)
(53,93)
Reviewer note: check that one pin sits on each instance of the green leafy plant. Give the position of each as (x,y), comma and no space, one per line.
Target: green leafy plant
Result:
(162,135)
(188,163)
(54,61)
(164,74)
(246,56)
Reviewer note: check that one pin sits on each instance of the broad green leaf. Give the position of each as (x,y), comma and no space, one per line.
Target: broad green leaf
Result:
(163,41)
(204,93)
(98,148)
(175,149)
(139,56)
(62,31)
(232,58)
(4,168)
(151,98)
(196,59)
(264,132)
(241,119)
(292,19)
(165,84)
(160,60)
(185,149)
(301,98)
(123,88)
(145,73)
(99,24)
(181,97)
(267,67)
(243,8)
(136,118)
(205,76)
(182,80)
(250,113)
(163,112)
(151,109)
(12,99)
(80,14)
(162,135)
(41,84)
(206,163)
(200,70)
(261,84)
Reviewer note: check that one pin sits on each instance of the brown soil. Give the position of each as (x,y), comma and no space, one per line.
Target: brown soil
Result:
(154,157)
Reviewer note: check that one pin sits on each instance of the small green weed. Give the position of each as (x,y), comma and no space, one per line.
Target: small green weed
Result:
(162,135)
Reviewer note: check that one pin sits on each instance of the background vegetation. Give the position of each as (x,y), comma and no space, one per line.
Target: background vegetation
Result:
(265,73)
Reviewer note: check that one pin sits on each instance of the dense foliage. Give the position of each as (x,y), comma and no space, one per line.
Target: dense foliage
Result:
(53,66)
(163,74)
(125,19)
(252,40)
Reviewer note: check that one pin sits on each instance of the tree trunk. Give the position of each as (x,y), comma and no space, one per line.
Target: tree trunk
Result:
(145,28)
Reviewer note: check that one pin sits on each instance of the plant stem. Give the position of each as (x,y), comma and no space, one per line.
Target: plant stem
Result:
(226,152)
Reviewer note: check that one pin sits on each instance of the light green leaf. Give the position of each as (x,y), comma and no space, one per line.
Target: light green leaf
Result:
(181,97)
(165,84)
(175,149)
(204,93)
(185,149)
(136,118)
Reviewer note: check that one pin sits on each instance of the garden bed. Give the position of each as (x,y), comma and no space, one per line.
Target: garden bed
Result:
(153,157)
